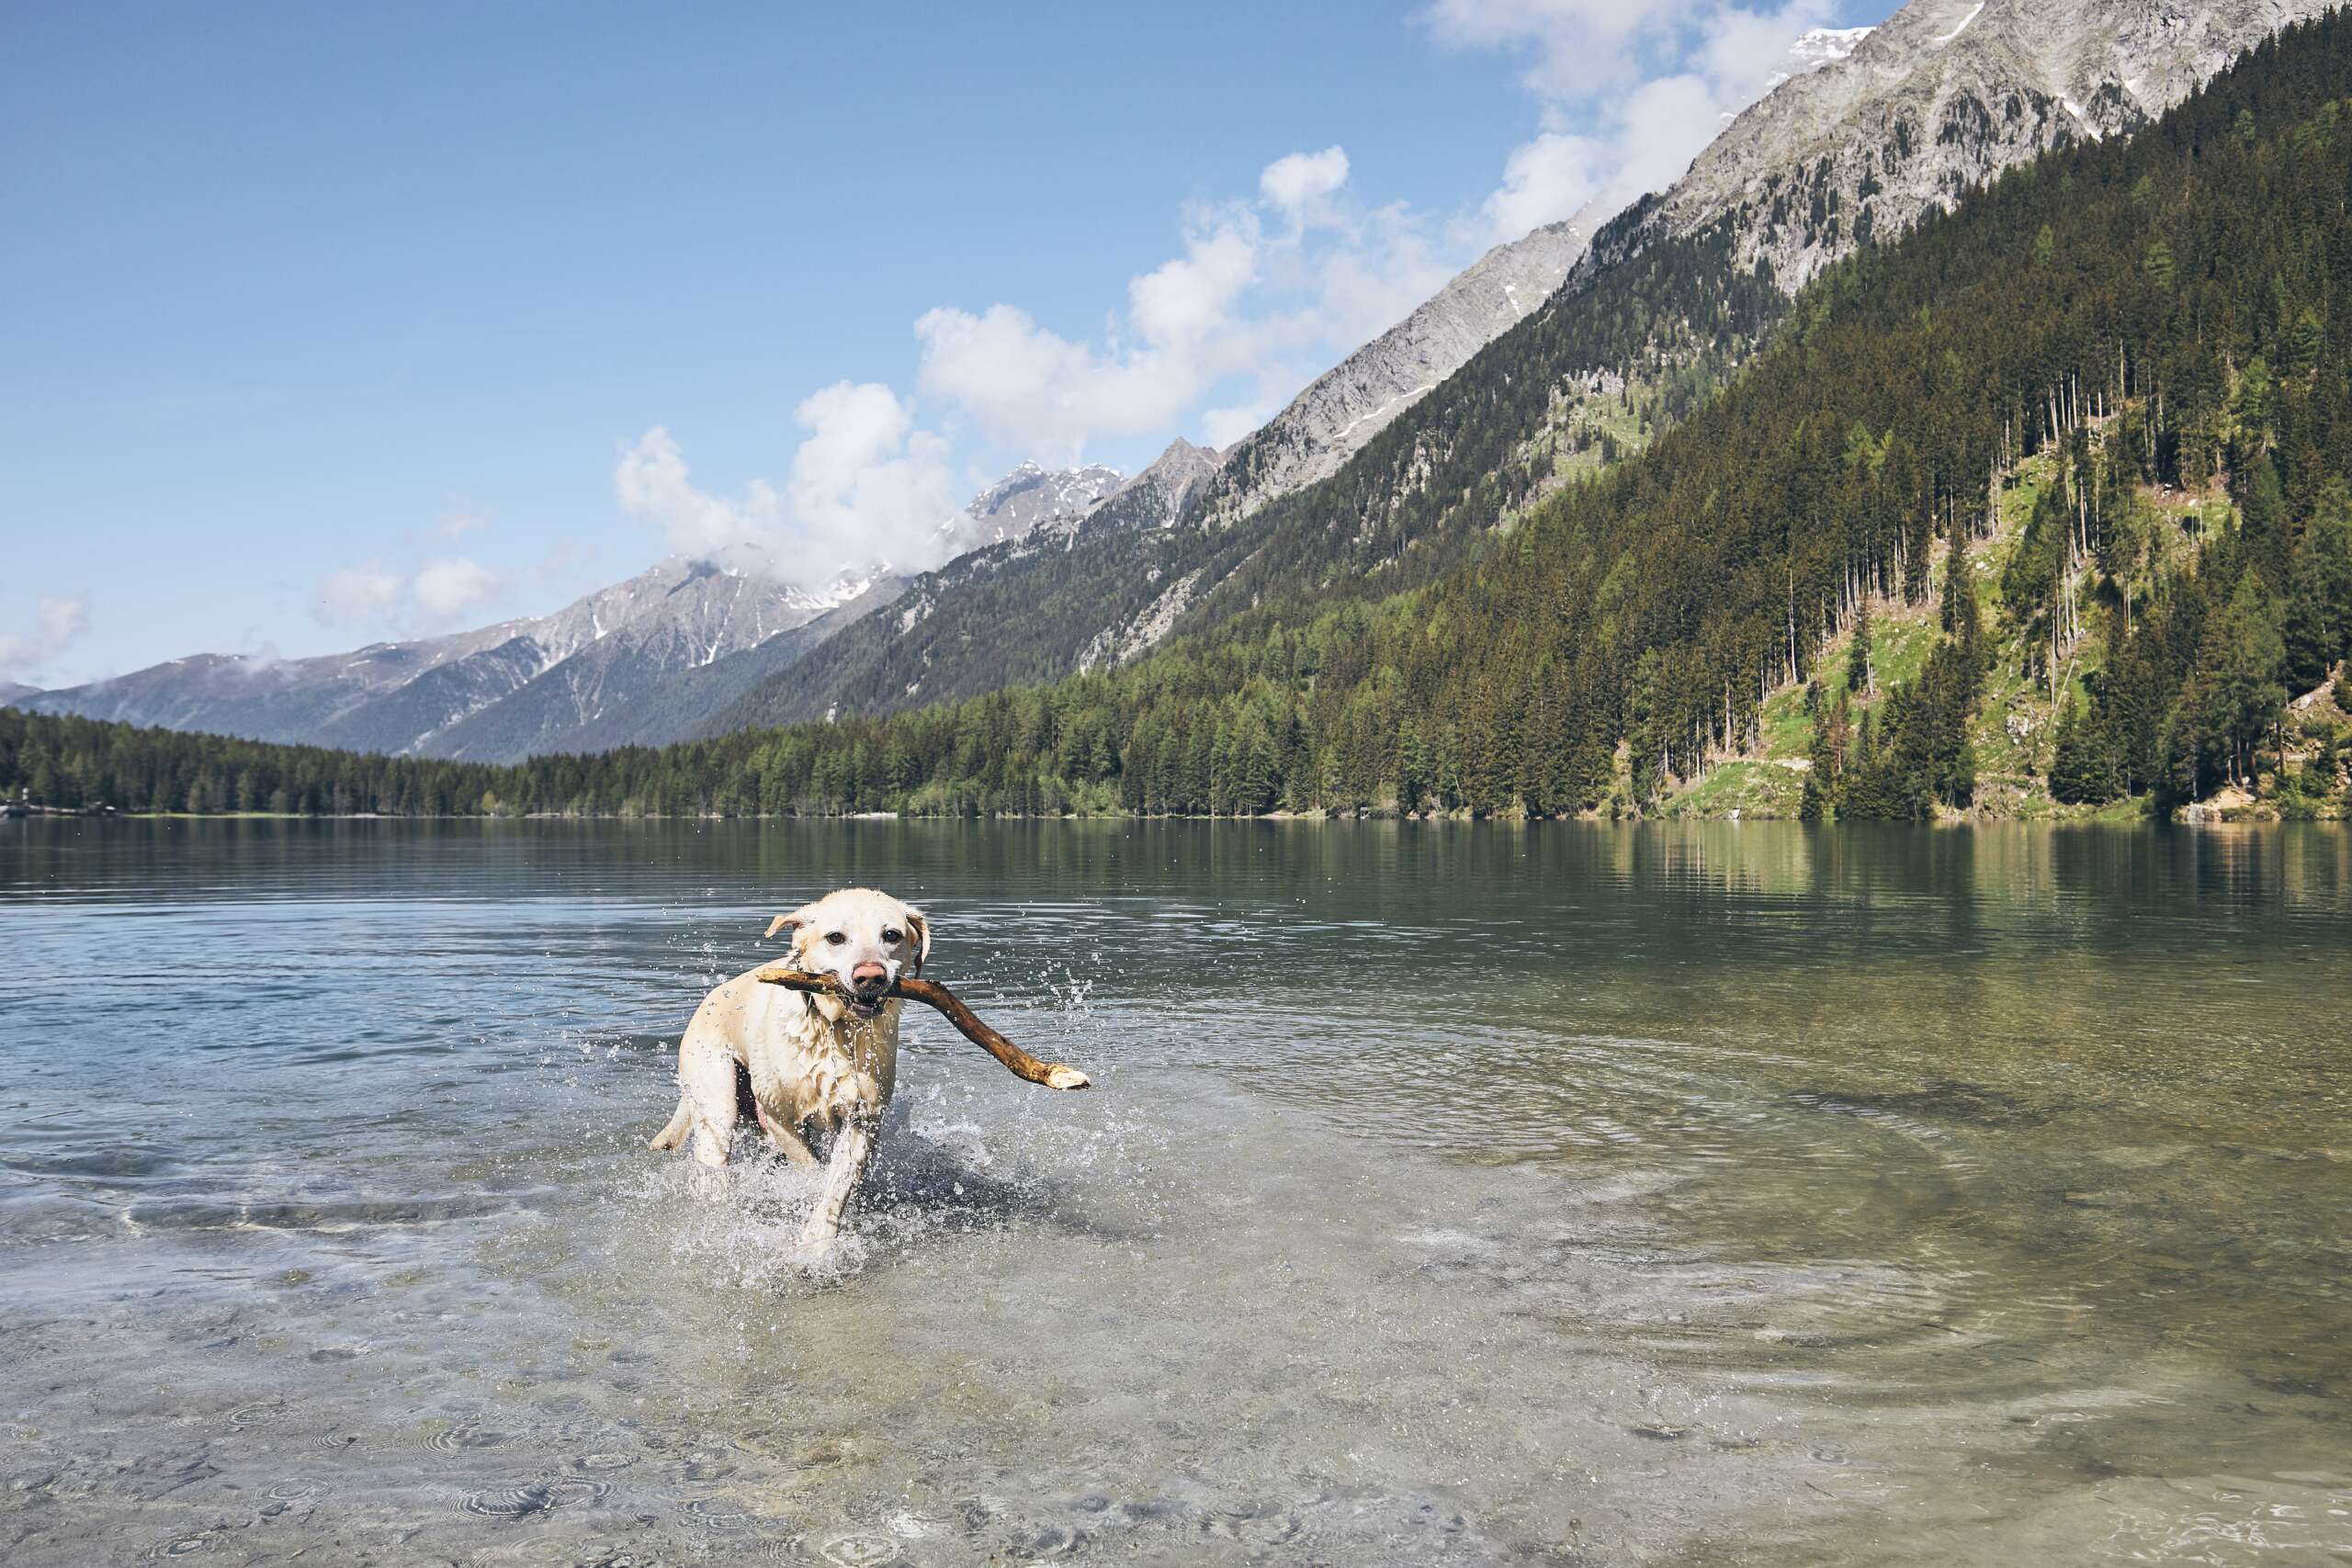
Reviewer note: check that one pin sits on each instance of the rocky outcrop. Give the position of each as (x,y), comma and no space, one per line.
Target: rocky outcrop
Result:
(1113,645)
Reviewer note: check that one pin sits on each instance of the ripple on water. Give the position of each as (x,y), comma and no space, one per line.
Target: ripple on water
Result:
(726,1516)
(1253,1522)
(441,1434)
(542,1496)
(197,1215)
(863,1549)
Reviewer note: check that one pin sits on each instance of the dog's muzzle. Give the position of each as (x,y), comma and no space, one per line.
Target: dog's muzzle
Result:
(869,986)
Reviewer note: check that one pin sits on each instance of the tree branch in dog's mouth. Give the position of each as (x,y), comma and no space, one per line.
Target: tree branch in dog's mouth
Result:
(931,993)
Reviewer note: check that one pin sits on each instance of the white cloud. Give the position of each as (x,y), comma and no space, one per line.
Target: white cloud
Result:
(866,483)
(1629,90)
(1389,263)
(1222,427)
(651,484)
(58,624)
(1302,183)
(447,588)
(358,593)
(866,486)
(1215,338)
(437,594)
(1580,48)
(1033,389)
(1543,181)
(1184,303)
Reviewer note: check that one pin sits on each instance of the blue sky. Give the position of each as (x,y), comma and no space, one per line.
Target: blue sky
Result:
(331,323)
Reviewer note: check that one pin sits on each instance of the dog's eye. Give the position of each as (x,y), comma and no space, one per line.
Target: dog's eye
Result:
(892,936)
(835,938)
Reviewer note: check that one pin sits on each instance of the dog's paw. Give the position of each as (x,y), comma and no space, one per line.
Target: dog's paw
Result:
(1060,1076)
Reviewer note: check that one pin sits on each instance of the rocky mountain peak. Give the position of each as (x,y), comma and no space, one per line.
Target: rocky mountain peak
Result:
(1157,497)
(1030,497)
(1893,120)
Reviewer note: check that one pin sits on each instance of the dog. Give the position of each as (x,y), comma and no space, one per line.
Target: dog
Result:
(806,1067)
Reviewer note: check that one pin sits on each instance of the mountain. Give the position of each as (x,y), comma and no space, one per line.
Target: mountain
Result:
(650,680)
(633,658)
(641,662)
(1112,603)
(1159,496)
(11,692)
(913,649)
(1869,132)
(1353,401)
(1026,499)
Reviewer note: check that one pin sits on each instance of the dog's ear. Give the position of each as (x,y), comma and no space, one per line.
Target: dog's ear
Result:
(790,922)
(918,927)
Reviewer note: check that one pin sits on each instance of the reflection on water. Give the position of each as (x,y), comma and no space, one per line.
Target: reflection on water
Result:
(1562,1195)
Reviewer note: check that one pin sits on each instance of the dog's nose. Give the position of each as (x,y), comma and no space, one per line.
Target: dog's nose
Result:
(869,975)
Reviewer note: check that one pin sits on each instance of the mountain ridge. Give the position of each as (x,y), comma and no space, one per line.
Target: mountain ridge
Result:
(406,696)
(644,661)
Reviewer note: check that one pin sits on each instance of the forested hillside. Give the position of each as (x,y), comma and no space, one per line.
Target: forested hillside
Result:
(2081,450)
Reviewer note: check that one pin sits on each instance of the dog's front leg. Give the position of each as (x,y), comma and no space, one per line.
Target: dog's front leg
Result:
(787,1140)
(853,1150)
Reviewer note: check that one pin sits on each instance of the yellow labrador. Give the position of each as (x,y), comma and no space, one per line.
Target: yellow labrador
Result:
(816,1065)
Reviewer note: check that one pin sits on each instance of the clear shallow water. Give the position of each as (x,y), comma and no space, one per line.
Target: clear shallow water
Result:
(1723,1193)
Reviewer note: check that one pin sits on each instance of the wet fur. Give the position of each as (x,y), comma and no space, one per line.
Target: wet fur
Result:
(807,1068)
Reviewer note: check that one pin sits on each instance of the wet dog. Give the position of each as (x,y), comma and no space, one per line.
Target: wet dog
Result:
(809,1069)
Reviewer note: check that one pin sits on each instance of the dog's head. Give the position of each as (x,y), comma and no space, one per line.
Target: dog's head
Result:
(864,938)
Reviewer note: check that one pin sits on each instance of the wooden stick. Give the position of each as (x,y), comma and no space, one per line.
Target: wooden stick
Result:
(931,993)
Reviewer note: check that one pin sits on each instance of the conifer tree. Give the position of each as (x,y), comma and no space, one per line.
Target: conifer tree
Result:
(1860,679)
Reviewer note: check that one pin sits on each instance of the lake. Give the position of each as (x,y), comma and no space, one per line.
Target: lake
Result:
(1450,1194)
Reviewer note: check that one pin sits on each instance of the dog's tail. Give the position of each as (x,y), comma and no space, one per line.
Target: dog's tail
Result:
(672,1135)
